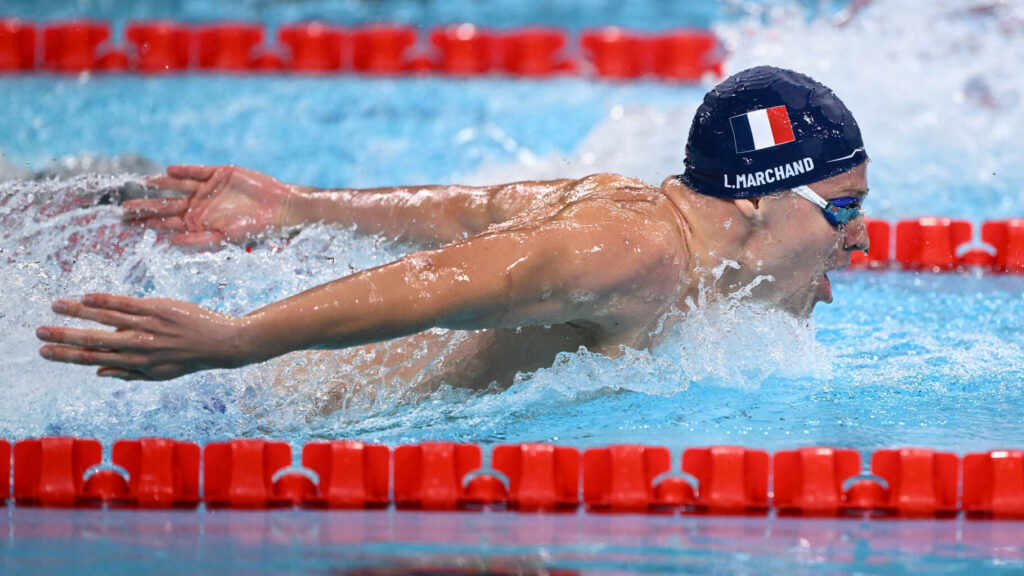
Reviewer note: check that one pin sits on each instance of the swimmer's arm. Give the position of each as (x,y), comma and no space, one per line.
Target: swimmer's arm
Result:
(553,273)
(429,216)
(233,204)
(586,268)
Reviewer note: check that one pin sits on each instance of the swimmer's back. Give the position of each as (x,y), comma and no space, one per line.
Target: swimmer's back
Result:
(622,238)
(613,191)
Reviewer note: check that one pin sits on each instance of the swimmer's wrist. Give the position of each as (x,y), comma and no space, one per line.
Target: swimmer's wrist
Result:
(252,342)
(308,205)
(298,207)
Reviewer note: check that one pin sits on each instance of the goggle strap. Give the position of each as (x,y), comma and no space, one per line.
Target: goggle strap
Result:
(807,193)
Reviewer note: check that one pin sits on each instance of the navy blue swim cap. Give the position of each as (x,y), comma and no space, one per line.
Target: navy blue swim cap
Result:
(764,130)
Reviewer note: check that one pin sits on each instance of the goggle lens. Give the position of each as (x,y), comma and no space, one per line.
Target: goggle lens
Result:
(840,211)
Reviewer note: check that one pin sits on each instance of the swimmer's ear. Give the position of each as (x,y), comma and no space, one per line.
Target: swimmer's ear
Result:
(749,207)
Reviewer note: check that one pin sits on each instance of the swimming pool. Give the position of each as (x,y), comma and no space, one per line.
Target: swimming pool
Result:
(899,359)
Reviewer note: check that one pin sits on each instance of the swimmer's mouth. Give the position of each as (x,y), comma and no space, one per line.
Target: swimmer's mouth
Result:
(825,286)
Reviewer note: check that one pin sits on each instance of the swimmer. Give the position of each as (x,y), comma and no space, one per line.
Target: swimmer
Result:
(775,174)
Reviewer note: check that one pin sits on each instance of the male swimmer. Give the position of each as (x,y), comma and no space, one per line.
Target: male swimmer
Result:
(775,173)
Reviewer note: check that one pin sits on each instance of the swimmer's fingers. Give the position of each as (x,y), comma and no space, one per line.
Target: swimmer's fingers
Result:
(126,304)
(154,208)
(109,317)
(168,224)
(172,183)
(194,172)
(113,364)
(95,339)
(122,373)
(200,182)
(89,357)
(208,188)
(199,240)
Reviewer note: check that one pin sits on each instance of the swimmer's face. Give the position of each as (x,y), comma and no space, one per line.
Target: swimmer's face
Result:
(797,246)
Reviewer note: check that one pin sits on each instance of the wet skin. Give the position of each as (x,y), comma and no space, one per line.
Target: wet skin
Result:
(530,269)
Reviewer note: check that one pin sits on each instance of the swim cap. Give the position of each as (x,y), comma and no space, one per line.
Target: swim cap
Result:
(764,130)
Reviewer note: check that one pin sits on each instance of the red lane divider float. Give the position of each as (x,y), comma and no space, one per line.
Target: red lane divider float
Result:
(941,245)
(681,56)
(162,473)
(5,469)
(994,484)
(464,49)
(314,47)
(382,49)
(540,476)
(535,52)
(240,473)
(630,478)
(73,46)
(620,478)
(616,53)
(429,476)
(931,243)
(17,46)
(810,481)
(921,482)
(228,47)
(352,474)
(732,480)
(160,47)
(1007,236)
(51,471)
(686,56)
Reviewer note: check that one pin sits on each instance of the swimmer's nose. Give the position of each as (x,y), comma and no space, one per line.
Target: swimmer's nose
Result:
(855,237)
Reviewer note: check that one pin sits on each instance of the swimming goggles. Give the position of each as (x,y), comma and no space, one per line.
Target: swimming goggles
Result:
(838,211)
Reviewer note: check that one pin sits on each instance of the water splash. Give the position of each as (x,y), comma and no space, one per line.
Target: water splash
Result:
(60,240)
(899,360)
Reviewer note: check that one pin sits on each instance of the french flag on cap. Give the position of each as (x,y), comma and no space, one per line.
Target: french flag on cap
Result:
(761,129)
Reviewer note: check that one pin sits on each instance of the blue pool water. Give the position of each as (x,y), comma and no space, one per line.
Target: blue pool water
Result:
(569,14)
(358,542)
(899,358)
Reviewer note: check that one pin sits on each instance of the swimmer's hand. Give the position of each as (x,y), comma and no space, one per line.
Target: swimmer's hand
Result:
(221,204)
(155,338)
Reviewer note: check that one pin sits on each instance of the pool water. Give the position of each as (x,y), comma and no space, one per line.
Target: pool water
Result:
(899,359)
(570,14)
(410,543)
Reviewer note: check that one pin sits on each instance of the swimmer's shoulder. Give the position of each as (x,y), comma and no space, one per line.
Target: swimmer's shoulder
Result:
(606,184)
(626,194)
(613,202)
(635,228)
(636,215)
